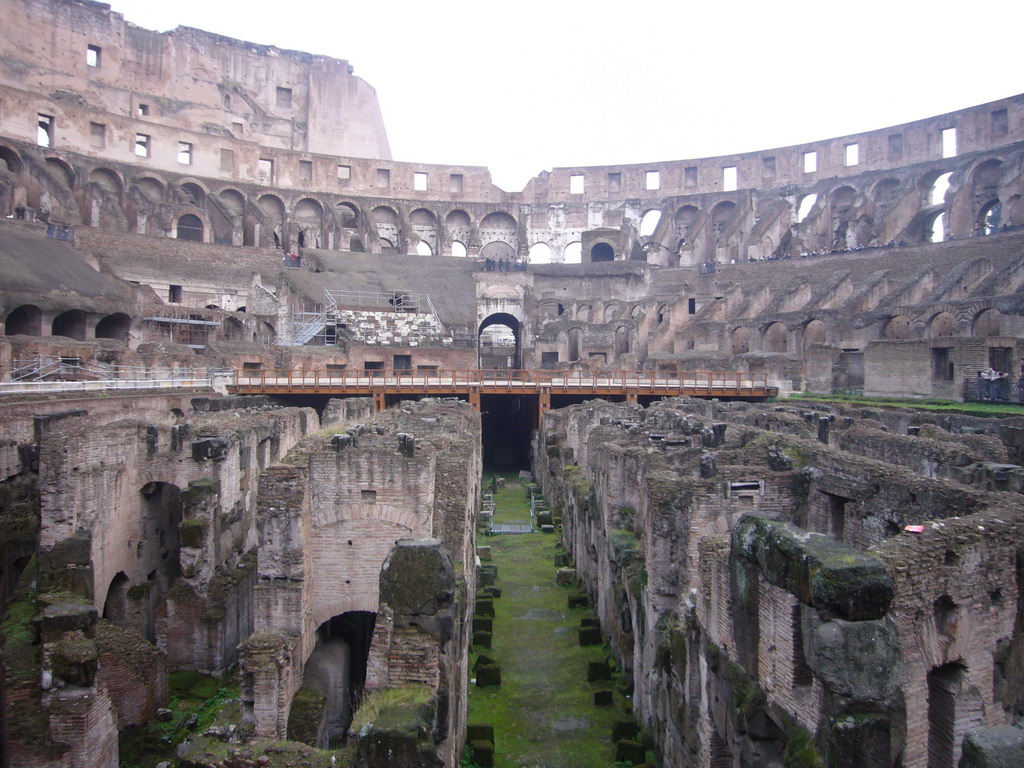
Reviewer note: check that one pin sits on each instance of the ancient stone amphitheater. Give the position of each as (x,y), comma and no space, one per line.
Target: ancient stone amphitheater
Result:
(252,368)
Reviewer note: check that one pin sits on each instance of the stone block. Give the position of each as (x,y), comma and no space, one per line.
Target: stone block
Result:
(59,618)
(603,698)
(484,553)
(485,607)
(544,518)
(417,577)
(631,752)
(565,576)
(480,732)
(547,529)
(590,636)
(492,591)
(625,729)
(482,753)
(483,624)
(860,740)
(577,600)
(999,747)
(561,560)
(488,675)
(483,639)
(820,572)
(590,621)
(598,671)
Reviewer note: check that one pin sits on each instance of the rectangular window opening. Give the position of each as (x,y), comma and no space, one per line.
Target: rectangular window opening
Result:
(942,366)
(1000,122)
(344,172)
(383,178)
(576,183)
(768,166)
(852,154)
(306,171)
(895,146)
(368,496)
(44,135)
(92,55)
(238,128)
(614,182)
(227,159)
(810,162)
(729,178)
(174,294)
(690,176)
(691,306)
(284,98)
(265,170)
(142,145)
(401,362)
(455,183)
(98,135)
(653,180)
(142,110)
(949,142)
(252,366)
(419,181)
(184,153)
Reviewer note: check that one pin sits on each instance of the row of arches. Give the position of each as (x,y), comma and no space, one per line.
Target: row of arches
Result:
(28,320)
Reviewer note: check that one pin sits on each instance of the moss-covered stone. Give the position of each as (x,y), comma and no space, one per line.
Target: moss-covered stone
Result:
(417,577)
(482,753)
(480,732)
(192,533)
(598,671)
(632,752)
(488,675)
(485,607)
(75,659)
(820,572)
(483,639)
(590,636)
(625,729)
(578,600)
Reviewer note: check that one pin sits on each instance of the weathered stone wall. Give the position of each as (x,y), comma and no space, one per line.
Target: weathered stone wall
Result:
(736,643)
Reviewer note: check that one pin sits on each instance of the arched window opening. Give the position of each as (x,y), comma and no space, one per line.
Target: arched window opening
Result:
(574,344)
(573,253)
(602,252)
(937,228)
(423,248)
(26,320)
(937,194)
(989,218)
(804,208)
(190,228)
(814,333)
(942,325)
(740,340)
(540,253)
(70,324)
(775,338)
(622,340)
(897,328)
(944,684)
(499,342)
(115,606)
(987,323)
(649,223)
(459,249)
(10,160)
(348,215)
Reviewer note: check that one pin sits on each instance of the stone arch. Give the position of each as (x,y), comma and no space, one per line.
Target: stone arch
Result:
(227,217)
(988,322)
(459,249)
(622,340)
(649,222)
(740,340)
(885,193)
(309,223)
(385,225)
(152,189)
(941,324)
(458,219)
(540,253)
(348,214)
(804,206)
(602,252)
(814,332)
(271,233)
(499,226)
(108,181)
(233,329)
(573,253)
(70,324)
(583,313)
(26,320)
(933,186)
(498,319)
(11,160)
(775,338)
(190,227)
(498,251)
(722,216)
(191,193)
(61,171)
(985,187)
(115,326)
(423,223)
(896,328)
(612,311)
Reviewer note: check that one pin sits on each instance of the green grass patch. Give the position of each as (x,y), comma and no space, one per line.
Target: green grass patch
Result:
(952,406)
(543,713)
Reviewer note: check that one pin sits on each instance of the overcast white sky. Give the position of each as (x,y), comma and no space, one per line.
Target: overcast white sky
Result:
(525,86)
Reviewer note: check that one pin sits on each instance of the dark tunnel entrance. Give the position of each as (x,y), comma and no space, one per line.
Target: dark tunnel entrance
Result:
(507,422)
(337,669)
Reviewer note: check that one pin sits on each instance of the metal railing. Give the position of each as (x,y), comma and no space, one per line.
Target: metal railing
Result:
(977,389)
(504,379)
(46,373)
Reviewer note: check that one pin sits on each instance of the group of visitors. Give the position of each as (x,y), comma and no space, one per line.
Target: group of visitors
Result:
(502,265)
